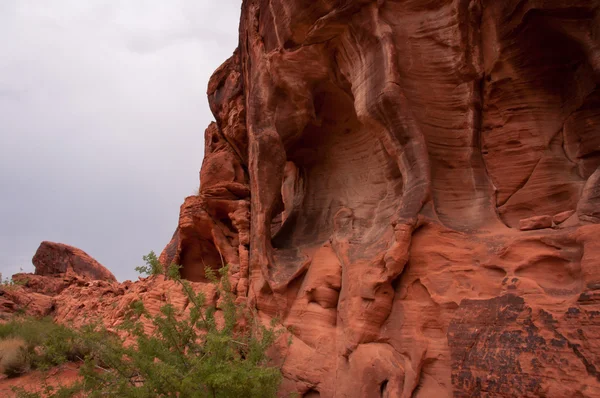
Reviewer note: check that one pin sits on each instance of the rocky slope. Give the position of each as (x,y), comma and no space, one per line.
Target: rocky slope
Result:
(412,187)
(88,292)
(74,289)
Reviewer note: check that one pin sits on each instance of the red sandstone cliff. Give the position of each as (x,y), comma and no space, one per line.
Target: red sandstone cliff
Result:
(412,187)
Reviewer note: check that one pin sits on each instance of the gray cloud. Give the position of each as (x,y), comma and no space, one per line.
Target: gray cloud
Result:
(102,113)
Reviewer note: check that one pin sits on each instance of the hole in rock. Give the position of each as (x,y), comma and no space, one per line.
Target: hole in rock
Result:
(340,165)
(383,389)
(551,77)
(312,393)
(289,44)
(198,254)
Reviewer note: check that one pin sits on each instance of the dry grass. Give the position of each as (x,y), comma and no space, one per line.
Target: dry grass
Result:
(13,357)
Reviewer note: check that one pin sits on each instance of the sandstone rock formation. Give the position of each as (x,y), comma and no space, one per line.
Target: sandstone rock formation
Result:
(57,267)
(366,178)
(59,259)
(77,301)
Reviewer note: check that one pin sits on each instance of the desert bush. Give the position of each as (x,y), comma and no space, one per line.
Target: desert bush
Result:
(43,344)
(7,283)
(152,267)
(188,354)
(13,358)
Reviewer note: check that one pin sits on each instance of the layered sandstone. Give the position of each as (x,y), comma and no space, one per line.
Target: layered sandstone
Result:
(411,187)
(367,177)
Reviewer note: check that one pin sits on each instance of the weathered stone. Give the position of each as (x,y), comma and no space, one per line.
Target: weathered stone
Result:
(370,169)
(367,178)
(562,216)
(57,258)
(537,222)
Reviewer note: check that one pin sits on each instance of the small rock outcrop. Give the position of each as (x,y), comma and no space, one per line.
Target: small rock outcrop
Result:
(563,216)
(536,222)
(52,259)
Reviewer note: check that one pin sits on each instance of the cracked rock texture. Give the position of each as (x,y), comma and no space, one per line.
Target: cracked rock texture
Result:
(367,177)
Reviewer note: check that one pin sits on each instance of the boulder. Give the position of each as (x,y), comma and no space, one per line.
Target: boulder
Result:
(54,259)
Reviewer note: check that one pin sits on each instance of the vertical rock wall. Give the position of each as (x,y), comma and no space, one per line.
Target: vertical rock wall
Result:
(369,169)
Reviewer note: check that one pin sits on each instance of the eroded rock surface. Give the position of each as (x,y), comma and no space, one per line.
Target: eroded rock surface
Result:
(52,259)
(77,301)
(367,177)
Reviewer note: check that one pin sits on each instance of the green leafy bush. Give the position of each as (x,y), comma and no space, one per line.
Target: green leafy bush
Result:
(152,267)
(43,344)
(13,361)
(201,352)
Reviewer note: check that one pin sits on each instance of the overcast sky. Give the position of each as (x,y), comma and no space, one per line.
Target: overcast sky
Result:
(102,115)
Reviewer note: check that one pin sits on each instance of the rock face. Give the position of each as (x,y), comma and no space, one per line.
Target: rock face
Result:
(53,259)
(382,177)
(366,177)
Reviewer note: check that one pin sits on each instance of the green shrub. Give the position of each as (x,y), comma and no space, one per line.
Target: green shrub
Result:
(152,267)
(44,343)
(13,358)
(189,354)
(12,283)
